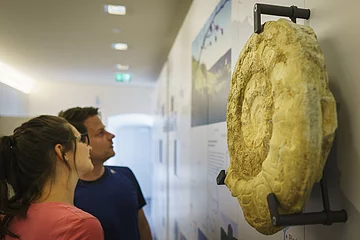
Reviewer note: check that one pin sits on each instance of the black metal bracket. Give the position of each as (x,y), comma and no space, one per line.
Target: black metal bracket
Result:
(326,217)
(292,12)
(220,179)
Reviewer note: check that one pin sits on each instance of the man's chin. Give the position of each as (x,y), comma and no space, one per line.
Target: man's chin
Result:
(110,156)
(113,154)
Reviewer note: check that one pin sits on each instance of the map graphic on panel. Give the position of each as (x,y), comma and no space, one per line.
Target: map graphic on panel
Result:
(178,235)
(201,235)
(211,68)
(227,234)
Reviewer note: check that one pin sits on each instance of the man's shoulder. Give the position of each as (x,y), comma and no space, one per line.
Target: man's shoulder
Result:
(124,171)
(118,169)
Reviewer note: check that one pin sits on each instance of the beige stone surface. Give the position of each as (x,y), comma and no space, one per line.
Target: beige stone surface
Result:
(281,120)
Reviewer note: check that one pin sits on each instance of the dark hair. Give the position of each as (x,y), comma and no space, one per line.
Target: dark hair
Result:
(78,114)
(79,126)
(27,162)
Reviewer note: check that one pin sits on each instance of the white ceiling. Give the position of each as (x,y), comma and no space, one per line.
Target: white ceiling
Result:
(70,40)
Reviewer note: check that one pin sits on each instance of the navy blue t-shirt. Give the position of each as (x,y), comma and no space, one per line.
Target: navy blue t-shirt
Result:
(115,199)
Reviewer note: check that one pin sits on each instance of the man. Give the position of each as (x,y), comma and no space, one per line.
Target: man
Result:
(112,194)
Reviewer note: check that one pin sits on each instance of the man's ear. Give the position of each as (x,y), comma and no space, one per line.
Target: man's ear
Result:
(58,150)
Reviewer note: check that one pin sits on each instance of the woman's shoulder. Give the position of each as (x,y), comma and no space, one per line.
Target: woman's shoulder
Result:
(75,223)
(57,221)
(59,209)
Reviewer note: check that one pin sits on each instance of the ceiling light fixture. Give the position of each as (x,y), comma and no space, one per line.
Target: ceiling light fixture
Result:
(122,67)
(15,79)
(115,9)
(115,30)
(120,46)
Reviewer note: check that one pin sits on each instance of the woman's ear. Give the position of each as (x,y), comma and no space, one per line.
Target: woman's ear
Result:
(59,153)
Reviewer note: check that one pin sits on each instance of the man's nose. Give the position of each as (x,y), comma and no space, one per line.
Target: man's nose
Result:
(111,136)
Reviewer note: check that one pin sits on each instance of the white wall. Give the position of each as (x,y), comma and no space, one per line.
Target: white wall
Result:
(52,97)
(335,24)
(13,102)
(160,180)
(8,124)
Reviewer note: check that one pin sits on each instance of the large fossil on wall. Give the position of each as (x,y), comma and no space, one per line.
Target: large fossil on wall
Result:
(281,120)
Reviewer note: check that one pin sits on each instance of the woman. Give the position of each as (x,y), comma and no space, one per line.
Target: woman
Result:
(42,162)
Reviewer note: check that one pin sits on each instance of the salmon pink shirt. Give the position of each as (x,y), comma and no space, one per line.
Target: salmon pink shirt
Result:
(56,221)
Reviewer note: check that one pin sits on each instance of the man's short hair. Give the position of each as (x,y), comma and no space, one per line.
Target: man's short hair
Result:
(76,116)
(80,127)
(79,114)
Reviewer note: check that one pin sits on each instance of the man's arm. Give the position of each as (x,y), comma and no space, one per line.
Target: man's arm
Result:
(144,228)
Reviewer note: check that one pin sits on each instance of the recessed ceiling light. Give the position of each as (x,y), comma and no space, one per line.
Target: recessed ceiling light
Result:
(115,30)
(120,46)
(122,67)
(115,9)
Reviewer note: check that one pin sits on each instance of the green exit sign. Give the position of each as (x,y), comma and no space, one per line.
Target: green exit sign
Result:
(123,77)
